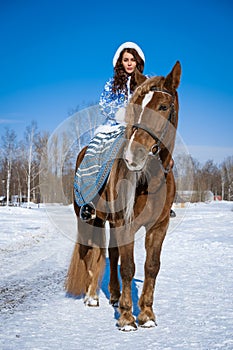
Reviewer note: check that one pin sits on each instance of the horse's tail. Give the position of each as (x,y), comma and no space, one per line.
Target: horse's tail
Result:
(85,270)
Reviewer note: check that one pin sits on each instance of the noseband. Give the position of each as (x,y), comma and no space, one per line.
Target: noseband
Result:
(155,149)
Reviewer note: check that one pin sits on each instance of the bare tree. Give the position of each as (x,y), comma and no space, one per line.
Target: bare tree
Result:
(227,178)
(31,135)
(40,152)
(9,146)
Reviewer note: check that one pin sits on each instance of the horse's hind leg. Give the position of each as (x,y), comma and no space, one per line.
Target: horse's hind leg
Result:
(94,264)
(94,236)
(87,263)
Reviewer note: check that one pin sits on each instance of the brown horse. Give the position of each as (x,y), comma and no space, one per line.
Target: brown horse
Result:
(139,193)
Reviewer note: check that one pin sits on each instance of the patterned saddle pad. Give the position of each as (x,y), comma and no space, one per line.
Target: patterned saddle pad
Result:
(97,163)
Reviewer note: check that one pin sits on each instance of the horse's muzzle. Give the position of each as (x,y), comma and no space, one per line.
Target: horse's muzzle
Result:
(135,157)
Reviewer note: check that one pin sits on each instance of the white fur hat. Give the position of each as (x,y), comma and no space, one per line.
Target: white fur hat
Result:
(127,45)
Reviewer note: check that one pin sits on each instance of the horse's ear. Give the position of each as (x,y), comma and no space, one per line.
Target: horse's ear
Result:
(172,80)
(139,77)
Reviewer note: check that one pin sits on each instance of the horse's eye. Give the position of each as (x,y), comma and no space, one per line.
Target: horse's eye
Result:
(163,108)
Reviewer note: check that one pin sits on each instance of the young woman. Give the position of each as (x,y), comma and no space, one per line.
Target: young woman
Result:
(115,96)
(119,89)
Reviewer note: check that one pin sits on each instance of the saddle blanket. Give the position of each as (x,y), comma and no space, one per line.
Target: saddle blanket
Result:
(97,163)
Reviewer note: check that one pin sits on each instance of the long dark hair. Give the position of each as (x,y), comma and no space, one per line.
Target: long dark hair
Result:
(120,76)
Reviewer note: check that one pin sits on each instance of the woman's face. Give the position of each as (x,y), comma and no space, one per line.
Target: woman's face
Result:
(129,62)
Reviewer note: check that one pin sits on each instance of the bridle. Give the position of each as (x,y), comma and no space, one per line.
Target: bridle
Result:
(156,148)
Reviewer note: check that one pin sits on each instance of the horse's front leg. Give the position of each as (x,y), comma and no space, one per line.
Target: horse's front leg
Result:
(126,321)
(154,240)
(113,252)
(114,285)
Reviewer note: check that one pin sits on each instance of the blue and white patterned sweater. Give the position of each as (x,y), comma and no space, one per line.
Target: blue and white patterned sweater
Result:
(111,102)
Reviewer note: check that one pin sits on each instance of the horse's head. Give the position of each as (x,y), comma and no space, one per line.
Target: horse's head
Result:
(152,118)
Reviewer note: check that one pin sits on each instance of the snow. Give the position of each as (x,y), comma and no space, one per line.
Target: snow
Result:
(193,297)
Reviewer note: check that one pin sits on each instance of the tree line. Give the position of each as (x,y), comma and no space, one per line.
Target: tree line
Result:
(20,163)
(21,166)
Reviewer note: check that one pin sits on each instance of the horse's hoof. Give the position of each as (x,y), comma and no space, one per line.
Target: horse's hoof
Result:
(128,328)
(92,302)
(148,324)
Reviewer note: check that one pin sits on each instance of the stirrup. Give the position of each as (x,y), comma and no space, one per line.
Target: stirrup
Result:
(172,214)
(87,212)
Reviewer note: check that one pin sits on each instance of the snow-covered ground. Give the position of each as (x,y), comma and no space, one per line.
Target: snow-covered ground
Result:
(193,298)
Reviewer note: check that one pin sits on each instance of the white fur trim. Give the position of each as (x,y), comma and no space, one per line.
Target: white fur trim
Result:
(120,115)
(126,45)
(106,129)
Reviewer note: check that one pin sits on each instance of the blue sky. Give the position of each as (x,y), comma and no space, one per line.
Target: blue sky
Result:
(56,55)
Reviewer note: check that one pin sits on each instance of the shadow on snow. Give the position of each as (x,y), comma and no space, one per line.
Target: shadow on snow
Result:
(104,288)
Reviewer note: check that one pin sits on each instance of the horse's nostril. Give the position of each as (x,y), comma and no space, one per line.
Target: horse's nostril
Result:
(130,162)
(128,159)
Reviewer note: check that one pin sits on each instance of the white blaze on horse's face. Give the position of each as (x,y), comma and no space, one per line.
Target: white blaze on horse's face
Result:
(135,154)
(145,102)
